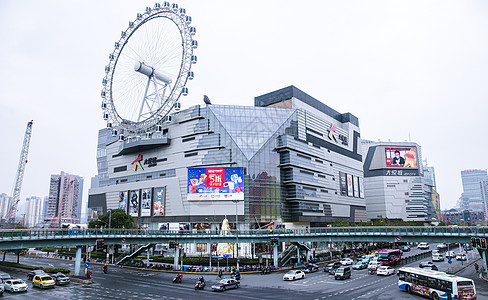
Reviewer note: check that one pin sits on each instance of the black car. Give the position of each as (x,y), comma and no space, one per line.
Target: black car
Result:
(428,265)
(60,278)
(336,265)
(310,268)
(33,273)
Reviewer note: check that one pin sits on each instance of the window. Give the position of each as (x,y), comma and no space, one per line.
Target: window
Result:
(406,193)
(191,154)
(319,161)
(188,139)
(321,176)
(120,169)
(304,156)
(306,172)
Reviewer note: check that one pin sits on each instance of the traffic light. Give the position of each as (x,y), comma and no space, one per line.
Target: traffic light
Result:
(483,243)
(172,245)
(100,245)
(274,242)
(473,242)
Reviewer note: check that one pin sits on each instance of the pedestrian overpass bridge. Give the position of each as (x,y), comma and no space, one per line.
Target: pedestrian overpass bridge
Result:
(35,238)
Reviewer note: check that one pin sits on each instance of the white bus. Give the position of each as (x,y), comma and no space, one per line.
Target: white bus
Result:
(435,284)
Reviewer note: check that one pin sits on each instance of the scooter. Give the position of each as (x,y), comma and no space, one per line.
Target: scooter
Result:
(177,279)
(199,285)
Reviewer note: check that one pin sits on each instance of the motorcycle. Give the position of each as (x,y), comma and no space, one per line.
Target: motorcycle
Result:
(236,277)
(177,279)
(104,269)
(199,285)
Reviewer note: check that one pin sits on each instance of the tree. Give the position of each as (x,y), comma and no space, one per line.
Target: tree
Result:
(119,219)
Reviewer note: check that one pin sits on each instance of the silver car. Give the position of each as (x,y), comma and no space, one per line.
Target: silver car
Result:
(15,285)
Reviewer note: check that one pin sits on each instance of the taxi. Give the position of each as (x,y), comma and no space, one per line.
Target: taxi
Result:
(43,281)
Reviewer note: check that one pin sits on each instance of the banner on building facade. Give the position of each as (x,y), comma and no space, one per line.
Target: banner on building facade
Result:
(215,183)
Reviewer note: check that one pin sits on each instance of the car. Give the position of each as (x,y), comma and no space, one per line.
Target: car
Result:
(450,254)
(33,273)
(373,266)
(360,265)
(60,278)
(441,245)
(428,265)
(342,273)
(225,284)
(2,289)
(346,261)
(310,268)
(437,257)
(435,251)
(385,270)
(423,246)
(335,264)
(4,276)
(15,285)
(406,248)
(43,281)
(461,256)
(294,274)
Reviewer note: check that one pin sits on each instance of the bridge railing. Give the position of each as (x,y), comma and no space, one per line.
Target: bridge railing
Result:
(10,234)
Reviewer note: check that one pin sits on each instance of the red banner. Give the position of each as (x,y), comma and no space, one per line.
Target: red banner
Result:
(215,177)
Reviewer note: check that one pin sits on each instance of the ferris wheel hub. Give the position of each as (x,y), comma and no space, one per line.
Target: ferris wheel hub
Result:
(151,72)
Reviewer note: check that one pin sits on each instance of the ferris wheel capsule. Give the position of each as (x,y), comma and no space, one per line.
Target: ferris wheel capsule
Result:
(105,116)
(148,9)
(109,125)
(117,45)
(157,6)
(177,106)
(103,94)
(111,56)
(158,128)
(104,105)
(148,135)
(139,16)
(123,34)
(121,138)
(182,11)
(131,24)
(191,75)
(184,92)
(193,30)
(194,44)
(114,132)
(193,59)
(188,20)
(175,7)
(166,4)
(107,69)
(168,119)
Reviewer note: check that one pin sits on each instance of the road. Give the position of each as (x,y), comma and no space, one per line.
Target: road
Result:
(122,283)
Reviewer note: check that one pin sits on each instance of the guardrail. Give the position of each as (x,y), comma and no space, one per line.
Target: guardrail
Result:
(29,234)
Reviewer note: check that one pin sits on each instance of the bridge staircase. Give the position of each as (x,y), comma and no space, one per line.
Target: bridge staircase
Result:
(291,252)
(138,251)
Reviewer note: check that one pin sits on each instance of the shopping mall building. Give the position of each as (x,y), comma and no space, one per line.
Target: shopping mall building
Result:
(290,159)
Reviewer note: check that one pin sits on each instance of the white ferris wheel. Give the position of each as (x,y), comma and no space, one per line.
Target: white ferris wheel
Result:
(148,71)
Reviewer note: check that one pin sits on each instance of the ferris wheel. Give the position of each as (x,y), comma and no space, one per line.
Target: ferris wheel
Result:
(148,70)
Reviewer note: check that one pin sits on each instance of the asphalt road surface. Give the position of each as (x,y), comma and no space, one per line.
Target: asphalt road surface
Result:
(123,283)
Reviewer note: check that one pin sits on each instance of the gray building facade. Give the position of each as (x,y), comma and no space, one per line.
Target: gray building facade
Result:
(293,150)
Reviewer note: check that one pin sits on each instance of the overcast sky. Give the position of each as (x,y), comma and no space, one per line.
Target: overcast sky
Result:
(415,69)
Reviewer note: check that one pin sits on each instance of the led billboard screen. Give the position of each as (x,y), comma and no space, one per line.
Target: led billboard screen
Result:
(215,184)
(158,207)
(401,157)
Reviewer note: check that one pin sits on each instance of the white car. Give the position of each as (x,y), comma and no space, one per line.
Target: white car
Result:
(373,265)
(346,261)
(437,257)
(450,254)
(435,251)
(294,274)
(461,256)
(441,245)
(15,285)
(385,270)
(423,246)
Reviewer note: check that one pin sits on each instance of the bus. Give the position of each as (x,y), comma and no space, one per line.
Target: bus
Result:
(74,226)
(436,285)
(389,257)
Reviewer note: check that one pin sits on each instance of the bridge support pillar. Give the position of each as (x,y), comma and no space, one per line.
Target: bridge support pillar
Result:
(177,256)
(275,256)
(77,260)
(298,254)
(147,260)
(483,255)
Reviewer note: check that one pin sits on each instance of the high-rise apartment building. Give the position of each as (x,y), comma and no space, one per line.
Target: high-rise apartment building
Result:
(69,187)
(471,198)
(34,212)
(5,201)
(484,195)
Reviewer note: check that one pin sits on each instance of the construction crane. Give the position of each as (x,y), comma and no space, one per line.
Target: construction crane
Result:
(58,216)
(10,216)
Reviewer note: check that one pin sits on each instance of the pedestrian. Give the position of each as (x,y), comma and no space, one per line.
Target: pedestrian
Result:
(220,274)
(476,267)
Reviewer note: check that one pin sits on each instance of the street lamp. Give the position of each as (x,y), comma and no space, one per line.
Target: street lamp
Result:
(237,237)
(210,248)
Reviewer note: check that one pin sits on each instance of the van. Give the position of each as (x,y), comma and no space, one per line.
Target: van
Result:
(343,273)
